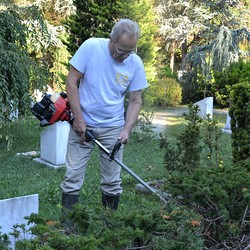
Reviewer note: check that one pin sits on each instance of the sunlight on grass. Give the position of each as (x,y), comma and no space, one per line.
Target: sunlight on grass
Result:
(174,120)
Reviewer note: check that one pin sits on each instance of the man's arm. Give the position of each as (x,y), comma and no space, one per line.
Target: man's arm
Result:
(134,106)
(72,83)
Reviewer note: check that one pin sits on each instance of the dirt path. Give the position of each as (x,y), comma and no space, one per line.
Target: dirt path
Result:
(163,118)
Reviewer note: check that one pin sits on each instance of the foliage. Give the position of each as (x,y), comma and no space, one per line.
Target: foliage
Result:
(55,11)
(227,49)
(166,91)
(186,156)
(13,72)
(194,86)
(144,127)
(4,240)
(206,60)
(47,47)
(32,58)
(211,135)
(156,228)
(217,190)
(225,80)
(91,19)
(240,121)
(19,73)
(186,24)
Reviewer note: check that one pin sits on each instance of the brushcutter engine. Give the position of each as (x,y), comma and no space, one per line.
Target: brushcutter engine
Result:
(52,108)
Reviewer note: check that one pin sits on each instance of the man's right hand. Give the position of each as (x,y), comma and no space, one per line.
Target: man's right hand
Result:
(79,126)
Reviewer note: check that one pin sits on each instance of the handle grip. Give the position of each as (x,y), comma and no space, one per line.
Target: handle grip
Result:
(115,149)
(89,135)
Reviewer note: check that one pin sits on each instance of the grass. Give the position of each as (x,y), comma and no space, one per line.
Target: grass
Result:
(20,175)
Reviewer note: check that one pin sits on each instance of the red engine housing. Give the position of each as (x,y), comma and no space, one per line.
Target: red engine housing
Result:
(52,108)
(62,110)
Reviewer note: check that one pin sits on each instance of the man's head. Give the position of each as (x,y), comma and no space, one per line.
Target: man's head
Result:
(123,39)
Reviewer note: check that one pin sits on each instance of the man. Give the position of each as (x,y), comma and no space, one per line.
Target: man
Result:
(101,72)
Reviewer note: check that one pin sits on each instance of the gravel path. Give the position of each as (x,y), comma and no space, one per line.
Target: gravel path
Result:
(162,118)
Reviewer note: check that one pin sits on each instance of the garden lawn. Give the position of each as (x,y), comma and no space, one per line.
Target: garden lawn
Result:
(141,220)
(21,175)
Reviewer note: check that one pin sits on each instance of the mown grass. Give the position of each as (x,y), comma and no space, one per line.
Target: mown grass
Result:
(21,175)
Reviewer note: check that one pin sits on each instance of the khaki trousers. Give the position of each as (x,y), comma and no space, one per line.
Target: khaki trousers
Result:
(77,157)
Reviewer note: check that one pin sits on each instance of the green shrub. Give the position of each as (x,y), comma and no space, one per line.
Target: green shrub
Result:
(217,190)
(240,121)
(194,86)
(167,228)
(166,92)
(4,240)
(224,81)
(185,156)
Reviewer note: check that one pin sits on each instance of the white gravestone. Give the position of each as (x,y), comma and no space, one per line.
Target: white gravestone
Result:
(206,107)
(13,211)
(53,143)
(227,128)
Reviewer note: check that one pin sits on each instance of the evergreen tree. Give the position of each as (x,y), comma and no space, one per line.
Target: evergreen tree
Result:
(207,60)
(91,19)
(187,23)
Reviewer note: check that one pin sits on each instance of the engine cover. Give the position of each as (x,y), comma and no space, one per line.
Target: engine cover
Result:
(52,108)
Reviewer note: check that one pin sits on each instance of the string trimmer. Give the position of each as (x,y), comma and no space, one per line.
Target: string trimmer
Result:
(54,108)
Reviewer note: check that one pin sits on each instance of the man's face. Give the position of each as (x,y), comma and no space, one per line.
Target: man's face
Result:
(125,46)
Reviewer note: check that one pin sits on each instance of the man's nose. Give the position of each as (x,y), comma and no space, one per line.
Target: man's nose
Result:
(125,56)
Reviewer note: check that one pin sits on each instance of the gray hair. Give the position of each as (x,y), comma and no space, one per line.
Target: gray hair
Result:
(124,26)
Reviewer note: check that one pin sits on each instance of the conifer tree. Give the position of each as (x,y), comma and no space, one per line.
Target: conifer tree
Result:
(185,24)
(91,19)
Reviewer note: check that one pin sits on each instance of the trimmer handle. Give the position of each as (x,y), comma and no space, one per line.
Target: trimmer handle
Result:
(115,149)
(90,137)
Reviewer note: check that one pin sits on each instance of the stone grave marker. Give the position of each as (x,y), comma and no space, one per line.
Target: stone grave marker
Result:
(13,211)
(227,128)
(53,144)
(206,107)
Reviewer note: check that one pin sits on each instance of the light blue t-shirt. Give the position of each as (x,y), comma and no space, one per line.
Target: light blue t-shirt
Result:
(103,87)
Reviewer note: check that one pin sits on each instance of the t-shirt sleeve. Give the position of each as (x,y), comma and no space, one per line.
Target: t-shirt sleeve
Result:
(81,58)
(139,80)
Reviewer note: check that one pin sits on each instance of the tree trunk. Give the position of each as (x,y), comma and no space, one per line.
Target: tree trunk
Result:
(172,56)
(184,49)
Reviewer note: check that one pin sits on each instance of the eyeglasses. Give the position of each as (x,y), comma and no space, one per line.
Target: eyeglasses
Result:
(122,52)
